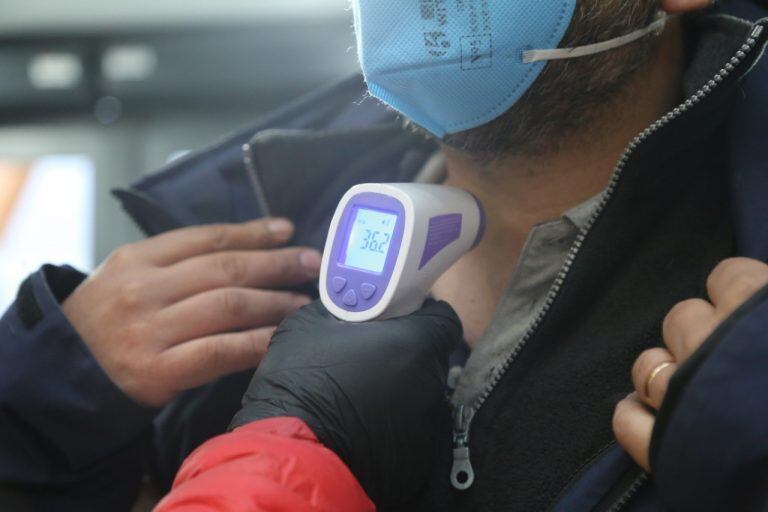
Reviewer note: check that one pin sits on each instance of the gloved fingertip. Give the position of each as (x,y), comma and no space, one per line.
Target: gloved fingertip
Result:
(448,321)
(439,308)
(316,306)
(316,309)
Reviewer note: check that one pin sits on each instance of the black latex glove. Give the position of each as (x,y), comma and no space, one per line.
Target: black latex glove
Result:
(372,392)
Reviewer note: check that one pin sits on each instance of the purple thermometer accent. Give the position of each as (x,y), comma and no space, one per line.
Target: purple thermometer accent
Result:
(443,231)
(368,287)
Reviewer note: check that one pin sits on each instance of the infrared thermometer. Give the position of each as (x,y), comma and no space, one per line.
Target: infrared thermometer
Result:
(389,243)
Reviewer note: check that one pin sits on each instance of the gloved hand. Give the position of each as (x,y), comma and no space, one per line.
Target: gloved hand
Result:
(373,392)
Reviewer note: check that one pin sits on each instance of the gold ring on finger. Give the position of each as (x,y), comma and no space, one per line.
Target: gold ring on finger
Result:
(655,373)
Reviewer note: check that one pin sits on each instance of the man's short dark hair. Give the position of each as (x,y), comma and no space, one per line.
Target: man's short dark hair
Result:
(570,93)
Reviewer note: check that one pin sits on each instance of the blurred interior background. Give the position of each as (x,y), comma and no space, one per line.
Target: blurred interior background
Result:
(95,93)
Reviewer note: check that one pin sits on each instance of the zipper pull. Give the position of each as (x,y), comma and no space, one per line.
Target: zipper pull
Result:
(462,474)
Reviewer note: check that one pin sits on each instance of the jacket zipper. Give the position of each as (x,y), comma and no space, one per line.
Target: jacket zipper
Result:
(629,493)
(462,473)
(256,182)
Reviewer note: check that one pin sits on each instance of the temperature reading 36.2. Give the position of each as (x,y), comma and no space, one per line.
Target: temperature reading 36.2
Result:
(376,241)
(370,236)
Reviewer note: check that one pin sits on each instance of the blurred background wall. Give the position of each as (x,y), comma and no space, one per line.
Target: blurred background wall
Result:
(94,93)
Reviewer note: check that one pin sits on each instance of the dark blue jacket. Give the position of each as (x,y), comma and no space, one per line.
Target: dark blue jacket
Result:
(70,440)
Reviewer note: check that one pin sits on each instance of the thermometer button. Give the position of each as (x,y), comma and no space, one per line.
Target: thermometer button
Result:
(367,290)
(339,283)
(350,299)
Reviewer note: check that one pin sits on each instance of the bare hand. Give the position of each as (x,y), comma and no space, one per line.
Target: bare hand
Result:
(181,309)
(686,328)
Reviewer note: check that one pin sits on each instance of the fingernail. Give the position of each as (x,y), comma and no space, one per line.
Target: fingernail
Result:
(311,260)
(280,228)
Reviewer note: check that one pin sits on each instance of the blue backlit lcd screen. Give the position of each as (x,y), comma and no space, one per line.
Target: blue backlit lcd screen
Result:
(369,239)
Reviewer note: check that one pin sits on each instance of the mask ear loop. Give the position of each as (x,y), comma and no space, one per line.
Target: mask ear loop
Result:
(531,56)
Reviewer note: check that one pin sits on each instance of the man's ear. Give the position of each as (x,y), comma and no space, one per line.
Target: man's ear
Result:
(681,6)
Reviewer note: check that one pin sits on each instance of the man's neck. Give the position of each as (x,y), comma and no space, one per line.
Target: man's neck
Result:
(521,191)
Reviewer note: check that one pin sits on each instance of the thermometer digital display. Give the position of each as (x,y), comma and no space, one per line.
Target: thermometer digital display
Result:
(389,243)
(370,237)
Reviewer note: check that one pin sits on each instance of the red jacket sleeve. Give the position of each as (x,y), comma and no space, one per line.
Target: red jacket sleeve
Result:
(273,465)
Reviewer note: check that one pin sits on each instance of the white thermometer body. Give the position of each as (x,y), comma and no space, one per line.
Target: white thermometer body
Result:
(389,243)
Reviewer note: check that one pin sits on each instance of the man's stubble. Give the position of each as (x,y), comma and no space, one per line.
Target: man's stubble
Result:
(570,95)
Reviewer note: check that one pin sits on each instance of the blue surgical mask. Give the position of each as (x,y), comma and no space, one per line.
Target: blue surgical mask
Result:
(453,65)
